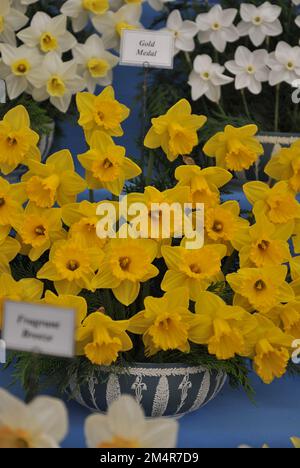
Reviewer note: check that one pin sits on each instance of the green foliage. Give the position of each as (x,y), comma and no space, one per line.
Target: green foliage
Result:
(166,87)
(40,117)
(38,373)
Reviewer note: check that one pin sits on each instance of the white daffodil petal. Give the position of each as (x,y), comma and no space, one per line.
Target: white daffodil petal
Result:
(126,418)
(97,430)
(51,415)
(160,433)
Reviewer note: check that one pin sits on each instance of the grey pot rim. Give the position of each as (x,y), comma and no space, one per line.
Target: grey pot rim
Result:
(152,369)
(290,134)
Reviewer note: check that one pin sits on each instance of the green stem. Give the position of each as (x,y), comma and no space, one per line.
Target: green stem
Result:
(108,302)
(32,384)
(246,104)
(221,109)
(91,196)
(188,59)
(295,116)
(150,168)
(277,104)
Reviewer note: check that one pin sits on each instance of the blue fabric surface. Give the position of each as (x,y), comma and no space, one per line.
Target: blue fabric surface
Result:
(228,421)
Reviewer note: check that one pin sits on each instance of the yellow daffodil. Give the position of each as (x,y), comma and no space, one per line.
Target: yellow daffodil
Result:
(102,339)
(204,184)
(285,165)
(176,131)
(194,269)
(106,165)
(263,244)
(158,226)
(295,285)
(54,181)
(165,322)
(38,228)
(127,263)
(68,302)
(101,112)
(235,149)
(71,266)
(27,290)
(11,199)
(287,317)
(9,249)
(18,142)
(295,268)
(220,326)
(296,442)
(296,237)
(260,289)
(277,203)
(223,222)
(82,220)
(270,348)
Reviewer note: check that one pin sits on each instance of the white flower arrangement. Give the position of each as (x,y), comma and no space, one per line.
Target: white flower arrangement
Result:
(256,42)
(50,56)
(249,41)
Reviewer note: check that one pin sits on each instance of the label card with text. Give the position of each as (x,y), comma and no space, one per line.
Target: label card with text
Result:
(41,329)
(140,47)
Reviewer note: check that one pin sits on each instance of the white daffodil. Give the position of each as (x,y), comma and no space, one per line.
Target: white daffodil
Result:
(217,27)
(22,5)
(16,67)
(297,20)
(56,80)
(184,32)
(25,2)
(125,426)
(260,22)
(249,68)
(284,64)
(207,78)
(95,63)
(11,20)
(81,11)
(43,423)
(48,34)
(111,24)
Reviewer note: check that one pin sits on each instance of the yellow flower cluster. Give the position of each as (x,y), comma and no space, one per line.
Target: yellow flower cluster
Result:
(262,319)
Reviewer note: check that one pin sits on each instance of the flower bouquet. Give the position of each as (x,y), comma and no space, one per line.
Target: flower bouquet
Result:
(49,52)
(239,62)
(174,289)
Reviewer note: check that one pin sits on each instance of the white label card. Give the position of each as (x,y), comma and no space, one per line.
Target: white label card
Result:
(142,47)
(41,329)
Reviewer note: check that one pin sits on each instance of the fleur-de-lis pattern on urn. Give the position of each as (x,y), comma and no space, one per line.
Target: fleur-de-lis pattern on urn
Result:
(139,387)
